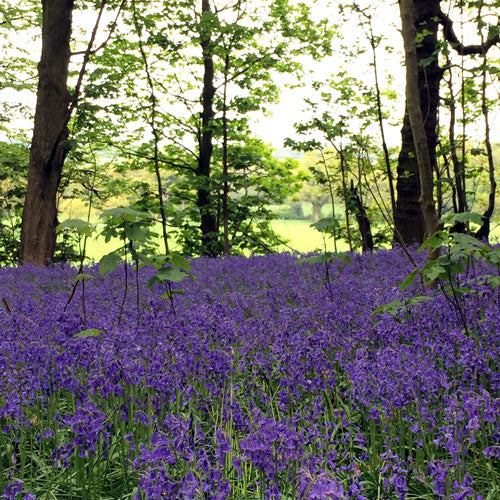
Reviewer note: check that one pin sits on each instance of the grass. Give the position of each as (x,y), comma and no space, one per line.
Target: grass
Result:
(303,237)
(298,233)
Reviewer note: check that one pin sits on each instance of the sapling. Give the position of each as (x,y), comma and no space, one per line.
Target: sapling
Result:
(326,226)
(130,226)
(178,269)
(83,230)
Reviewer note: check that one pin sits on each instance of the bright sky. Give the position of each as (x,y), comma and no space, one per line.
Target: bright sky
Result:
(386,23)
(277,127)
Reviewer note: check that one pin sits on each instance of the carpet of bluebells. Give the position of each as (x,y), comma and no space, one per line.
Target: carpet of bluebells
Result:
(261,383)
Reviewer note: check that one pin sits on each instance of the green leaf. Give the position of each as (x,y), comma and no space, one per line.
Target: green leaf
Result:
(438,239)
(468,242)
(409,280)
(426,61)
(171,293)
(391,308)
(109,263)
(325,257)
(135,232)
(81,277)
(463,217)
(172,274)
(178,260)
(434,271)
(418,299)
(124,214)
(79,226)
(317,259)
(325,225)
(89,332)
(494,282)
(493,256)
(462,291)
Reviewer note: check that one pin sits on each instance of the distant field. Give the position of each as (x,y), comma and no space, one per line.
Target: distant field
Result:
(301,236)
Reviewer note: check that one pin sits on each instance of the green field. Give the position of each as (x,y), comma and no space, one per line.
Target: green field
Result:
(300,236)
(298,233)
(304,238)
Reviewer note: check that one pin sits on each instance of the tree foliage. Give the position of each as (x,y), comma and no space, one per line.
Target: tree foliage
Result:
(163,98)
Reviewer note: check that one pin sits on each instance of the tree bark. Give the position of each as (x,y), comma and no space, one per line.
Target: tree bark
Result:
(484,230)
(316,210)
(363,221)
(458,166)
(346,200)
(423,147)
(48,149)
(408,219)
(225,166)
(208,220)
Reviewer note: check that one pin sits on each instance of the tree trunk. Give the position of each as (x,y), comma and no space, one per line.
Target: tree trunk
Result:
(408,219)
(346,201)
(316,210)
(208,220)
(458,166)
(154,131)
(48,149)
(484,230)
(423,146)
(363,221)
(225,166)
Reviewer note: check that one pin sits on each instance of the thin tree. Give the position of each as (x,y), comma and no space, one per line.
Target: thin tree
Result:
(208,224)
(154,130)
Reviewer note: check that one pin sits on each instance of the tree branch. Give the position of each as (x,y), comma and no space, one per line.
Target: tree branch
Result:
(110,34)
(460,48)
(170,163)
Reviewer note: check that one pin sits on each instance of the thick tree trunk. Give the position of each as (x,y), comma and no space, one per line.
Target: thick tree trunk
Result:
(208,220)
(48,151)
(423,146)
(408,219)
